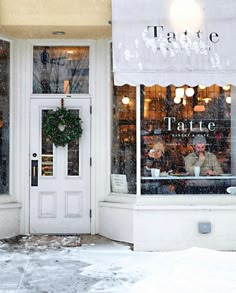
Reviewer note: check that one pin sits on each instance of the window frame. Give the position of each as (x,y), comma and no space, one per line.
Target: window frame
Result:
(138,148)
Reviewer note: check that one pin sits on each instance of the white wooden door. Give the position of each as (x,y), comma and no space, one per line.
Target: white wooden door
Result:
(60,176)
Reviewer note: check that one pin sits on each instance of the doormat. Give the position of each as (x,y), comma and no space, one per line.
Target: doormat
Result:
(44,241)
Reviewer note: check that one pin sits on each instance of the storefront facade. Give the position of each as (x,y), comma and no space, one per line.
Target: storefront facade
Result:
(47,188)
(157,100)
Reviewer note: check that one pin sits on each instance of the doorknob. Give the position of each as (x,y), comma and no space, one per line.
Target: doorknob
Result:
(34,173)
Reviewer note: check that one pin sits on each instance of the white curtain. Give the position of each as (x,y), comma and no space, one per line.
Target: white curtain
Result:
(146,52)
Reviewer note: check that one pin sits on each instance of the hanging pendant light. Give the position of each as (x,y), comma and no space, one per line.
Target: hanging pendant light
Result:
(125,100)
(189,92)
(199,108)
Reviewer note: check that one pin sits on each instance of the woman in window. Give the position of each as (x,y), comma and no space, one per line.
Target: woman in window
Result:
(158,159)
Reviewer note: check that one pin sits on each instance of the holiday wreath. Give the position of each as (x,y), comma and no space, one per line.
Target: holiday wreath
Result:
(62,126)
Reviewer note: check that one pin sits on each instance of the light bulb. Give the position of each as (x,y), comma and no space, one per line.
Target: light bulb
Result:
(201,86)
(189,92)
(125,100)
(228,100)
(177,100)
(207,100)
(226,87)
(179,92)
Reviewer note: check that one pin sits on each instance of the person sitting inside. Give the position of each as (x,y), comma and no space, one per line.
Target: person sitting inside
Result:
(209,166)
(157,159)
(207,161)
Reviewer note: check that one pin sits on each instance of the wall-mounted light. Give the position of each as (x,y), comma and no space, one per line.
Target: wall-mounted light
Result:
(125,100)
(207,100)
(186,14)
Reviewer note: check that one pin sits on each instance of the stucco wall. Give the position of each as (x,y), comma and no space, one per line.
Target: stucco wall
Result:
(33,19)
(54,12)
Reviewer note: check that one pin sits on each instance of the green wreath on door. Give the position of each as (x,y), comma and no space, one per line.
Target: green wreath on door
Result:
(62,126)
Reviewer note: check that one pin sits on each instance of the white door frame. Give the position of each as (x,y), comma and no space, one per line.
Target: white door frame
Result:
(24,58)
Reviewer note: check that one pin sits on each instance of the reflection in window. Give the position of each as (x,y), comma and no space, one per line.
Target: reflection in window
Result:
(4,115)
(61,70)
(47,151)
(171,118)
(124,134)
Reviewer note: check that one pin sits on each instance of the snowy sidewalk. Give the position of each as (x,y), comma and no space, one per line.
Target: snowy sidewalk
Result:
(105,266)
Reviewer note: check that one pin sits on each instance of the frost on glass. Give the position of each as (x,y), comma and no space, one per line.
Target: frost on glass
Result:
(4,115)
(171,117)
(123,160)
(60,70)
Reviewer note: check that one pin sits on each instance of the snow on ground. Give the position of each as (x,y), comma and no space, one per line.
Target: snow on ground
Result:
(111,267)
(193,270)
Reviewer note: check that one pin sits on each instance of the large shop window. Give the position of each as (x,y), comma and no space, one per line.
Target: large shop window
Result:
(187,139)
(60,70)
(124,140)
(4,115)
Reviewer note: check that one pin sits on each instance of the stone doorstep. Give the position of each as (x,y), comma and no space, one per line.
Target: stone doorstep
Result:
(46,241)
(57,241)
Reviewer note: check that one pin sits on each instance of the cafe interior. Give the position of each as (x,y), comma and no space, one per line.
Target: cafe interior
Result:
(172,115)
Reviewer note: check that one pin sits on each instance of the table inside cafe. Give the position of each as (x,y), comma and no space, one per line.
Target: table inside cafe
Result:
(193,184)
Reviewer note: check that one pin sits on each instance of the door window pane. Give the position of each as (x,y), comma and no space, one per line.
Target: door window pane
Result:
(73,159)
(60,70)
(73,154)
(46,151)
(4,115)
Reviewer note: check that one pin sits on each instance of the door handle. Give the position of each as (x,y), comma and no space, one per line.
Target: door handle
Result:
(34,173)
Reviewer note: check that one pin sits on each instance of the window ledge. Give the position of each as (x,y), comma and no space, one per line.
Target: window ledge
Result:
(6,201)
(173,200)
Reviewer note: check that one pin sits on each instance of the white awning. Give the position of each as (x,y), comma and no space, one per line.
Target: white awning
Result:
(174,42)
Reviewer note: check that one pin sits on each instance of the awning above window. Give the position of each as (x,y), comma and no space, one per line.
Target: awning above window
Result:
(174,42)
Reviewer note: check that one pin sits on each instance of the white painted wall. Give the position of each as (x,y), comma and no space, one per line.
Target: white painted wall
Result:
(10,205)
(172,228)
(116,221)
(10,220)
(164,228)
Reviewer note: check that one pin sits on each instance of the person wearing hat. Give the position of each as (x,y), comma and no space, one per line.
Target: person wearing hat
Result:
(157,159)
(208,163)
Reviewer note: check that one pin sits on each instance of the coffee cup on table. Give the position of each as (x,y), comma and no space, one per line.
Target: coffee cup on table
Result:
(196,171)
(155,172)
